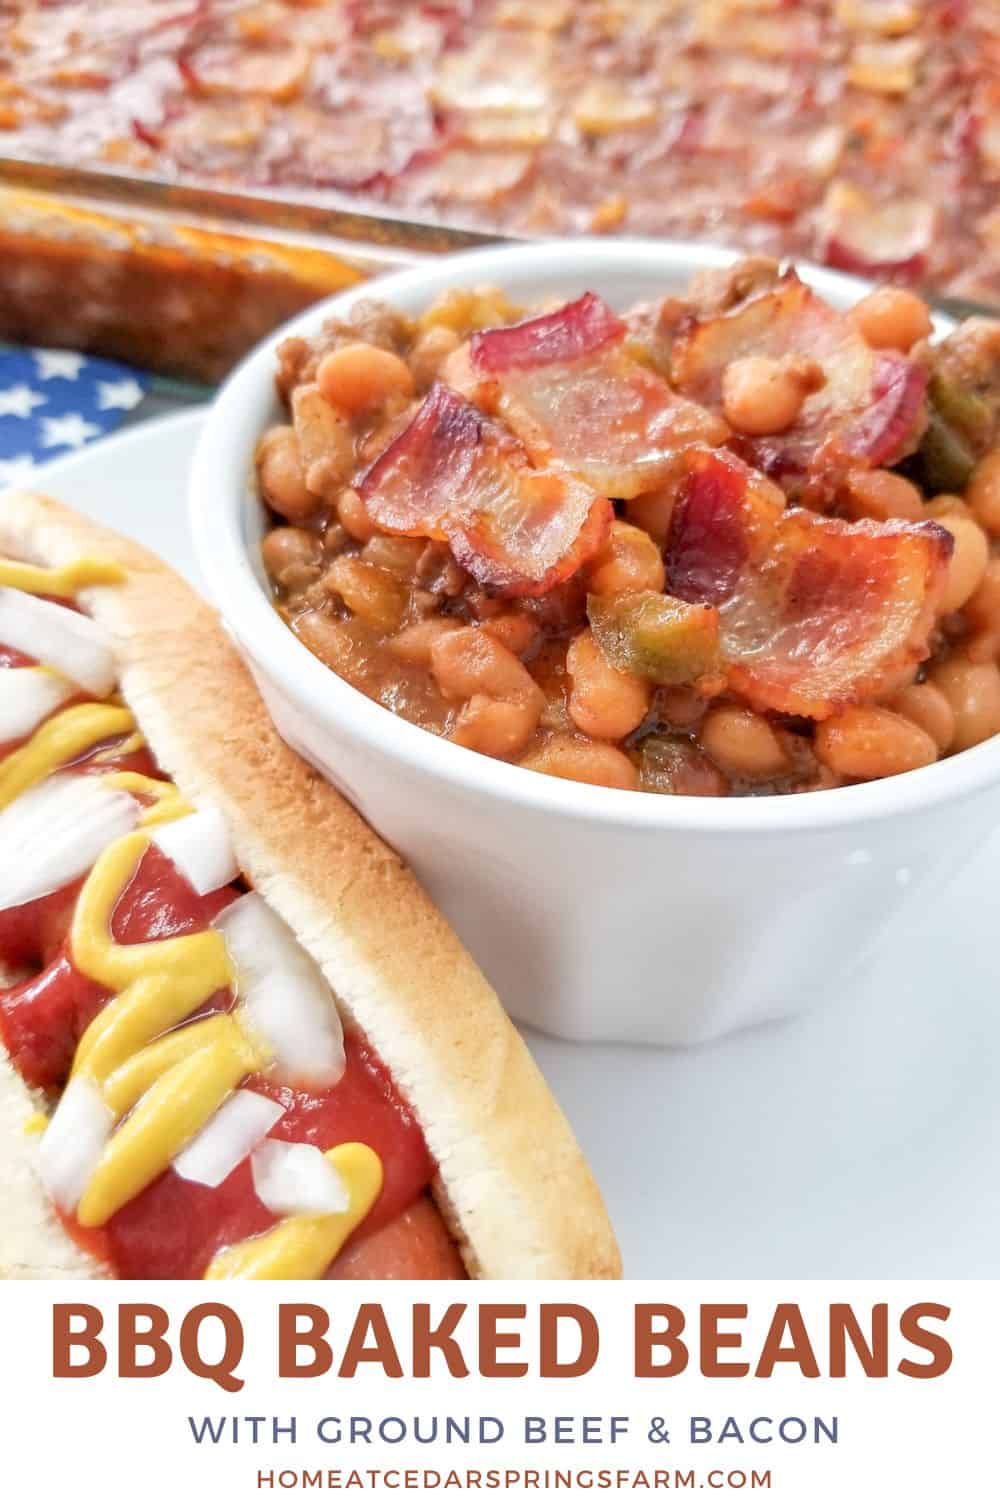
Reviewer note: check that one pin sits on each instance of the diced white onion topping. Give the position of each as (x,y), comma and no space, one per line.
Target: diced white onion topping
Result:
(229,1137)
(285,998)
(295,1179)
(27,696)
(53,833)
(198,847)
(73,1144)
(73,644)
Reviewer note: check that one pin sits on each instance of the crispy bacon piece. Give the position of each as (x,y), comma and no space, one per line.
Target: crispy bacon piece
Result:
(569,385)
(814,613)
(870,411)
(455,475)
(578,328)
(723,521)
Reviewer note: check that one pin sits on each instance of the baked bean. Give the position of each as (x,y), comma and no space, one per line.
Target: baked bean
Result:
(430,352)
(983,646)
(865,742)
(574,759)
(603,702)
(629,562)
(880,495)
(973,690)
(742,743)
(326,446)
(982,616)
(468,662)
(292,557)
(761,395)
(282,481)
(397,554)
(413,644)
(327,638)
(983,492)
(370,593)
(895,679)
(945,505)
(653,512)
(892,318)
(968,561)
(354,517)
(294,356)
(519,633)
(360,377)
(925,705)
(334,538)
(495,727)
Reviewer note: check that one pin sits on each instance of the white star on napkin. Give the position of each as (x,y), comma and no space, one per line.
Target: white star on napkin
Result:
(58,364)
(20,401)
(118,395)
(70,431)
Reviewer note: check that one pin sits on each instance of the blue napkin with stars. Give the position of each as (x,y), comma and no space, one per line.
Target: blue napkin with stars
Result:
(54,401)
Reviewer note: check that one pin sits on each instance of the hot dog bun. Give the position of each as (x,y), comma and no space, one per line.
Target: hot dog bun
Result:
(512,1182)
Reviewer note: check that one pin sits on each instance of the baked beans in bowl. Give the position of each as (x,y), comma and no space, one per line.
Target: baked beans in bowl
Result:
(733,542)
(683,533)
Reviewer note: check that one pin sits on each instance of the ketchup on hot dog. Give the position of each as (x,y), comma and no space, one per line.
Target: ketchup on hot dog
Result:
(173,1227)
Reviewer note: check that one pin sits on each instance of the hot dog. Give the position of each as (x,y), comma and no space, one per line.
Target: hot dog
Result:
(236,1039)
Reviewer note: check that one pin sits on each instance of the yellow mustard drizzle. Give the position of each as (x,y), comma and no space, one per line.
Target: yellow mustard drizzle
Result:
(162,1079)
(169,1114)
(157,985)
(301,1248)
(57,742)
(61,583)
(126,1085)
(166,801)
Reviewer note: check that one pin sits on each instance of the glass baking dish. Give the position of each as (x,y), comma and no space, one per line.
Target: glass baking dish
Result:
(184,279)
(177,279)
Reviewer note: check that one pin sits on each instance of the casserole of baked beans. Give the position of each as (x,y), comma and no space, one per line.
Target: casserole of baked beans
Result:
(730,544)
(875,140)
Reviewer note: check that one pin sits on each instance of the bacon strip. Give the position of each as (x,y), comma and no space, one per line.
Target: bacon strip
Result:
(870,410)
(569,385)
(457,476)
(814,613)
(578,328)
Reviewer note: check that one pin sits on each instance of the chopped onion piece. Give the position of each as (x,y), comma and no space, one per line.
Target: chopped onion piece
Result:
(29,695)
(199,849)
(52,834)
(59,637)
(297,1179)
(284,995)
(228,1138)
(74,1142)
(872,238)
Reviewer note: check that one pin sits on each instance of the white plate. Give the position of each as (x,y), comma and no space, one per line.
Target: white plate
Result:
(861,1141)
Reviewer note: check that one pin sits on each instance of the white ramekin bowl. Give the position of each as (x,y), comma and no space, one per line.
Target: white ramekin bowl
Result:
(596,913)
